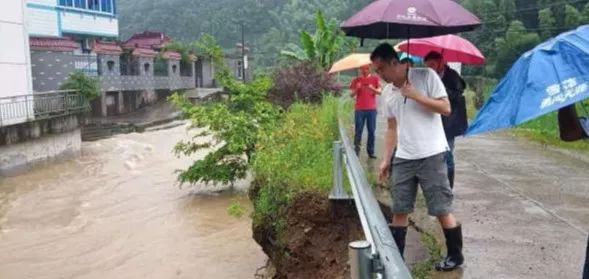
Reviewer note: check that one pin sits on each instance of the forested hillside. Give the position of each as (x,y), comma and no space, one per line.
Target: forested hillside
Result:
(509,26)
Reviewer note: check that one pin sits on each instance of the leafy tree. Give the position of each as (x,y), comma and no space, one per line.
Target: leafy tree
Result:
(83,84)
(586,14)
(508,8)
(572,17)
(517,40)
(546,23)
(235,125)
(183,48)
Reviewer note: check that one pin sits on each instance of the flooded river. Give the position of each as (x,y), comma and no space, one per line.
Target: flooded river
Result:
(117,212)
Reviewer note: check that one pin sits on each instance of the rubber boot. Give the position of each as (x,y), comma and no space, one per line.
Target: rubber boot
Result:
(399,234)
(454,259)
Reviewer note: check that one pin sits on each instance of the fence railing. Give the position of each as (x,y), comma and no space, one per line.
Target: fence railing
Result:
(378,254)
(24,108)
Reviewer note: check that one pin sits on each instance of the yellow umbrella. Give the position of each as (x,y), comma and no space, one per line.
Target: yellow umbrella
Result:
(352,61)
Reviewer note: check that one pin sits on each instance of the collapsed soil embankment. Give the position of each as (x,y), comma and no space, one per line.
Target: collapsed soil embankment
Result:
(314,239)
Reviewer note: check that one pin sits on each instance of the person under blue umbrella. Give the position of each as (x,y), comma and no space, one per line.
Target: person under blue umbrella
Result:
(573,128)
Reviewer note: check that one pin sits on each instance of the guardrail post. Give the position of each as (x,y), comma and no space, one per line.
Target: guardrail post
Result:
(337,191)
(360,259)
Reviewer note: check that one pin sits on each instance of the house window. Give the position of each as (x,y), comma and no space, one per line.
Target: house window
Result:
(94,5)
(81,4)
(174,68)
(146,67)
(110,65)
(106,6)
(66,3)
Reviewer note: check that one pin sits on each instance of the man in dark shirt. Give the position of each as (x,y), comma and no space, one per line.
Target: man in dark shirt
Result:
(573,128)
(456,123)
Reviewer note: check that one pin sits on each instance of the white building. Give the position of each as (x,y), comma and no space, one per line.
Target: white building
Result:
(15,70)
(73,18)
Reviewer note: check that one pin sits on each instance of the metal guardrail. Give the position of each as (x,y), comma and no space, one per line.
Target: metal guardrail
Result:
(25,108)
(379,251)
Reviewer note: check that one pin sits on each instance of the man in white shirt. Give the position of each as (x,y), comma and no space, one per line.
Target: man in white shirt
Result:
(413,111)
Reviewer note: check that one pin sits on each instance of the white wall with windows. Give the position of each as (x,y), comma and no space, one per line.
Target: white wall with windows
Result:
(97,18)
(15,75)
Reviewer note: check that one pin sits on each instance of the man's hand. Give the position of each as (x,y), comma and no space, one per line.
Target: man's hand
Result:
(409,91)
(375,90)
(383,171)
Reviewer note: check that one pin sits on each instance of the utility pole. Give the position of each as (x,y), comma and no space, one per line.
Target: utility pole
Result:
(243,68)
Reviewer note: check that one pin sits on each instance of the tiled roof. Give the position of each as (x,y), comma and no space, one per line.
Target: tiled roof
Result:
(144,52)
(53,44)
(107,48)
(147,39)
(172,55)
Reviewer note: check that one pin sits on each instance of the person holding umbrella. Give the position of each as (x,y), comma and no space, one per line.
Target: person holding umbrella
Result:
(415,129)
(364,89)
(456,123)
(395,19)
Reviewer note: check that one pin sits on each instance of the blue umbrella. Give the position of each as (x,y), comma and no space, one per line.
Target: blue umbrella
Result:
(553,75)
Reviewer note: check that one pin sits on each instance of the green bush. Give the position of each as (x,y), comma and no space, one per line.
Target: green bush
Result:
(295,157)
(83,84)
(236,125)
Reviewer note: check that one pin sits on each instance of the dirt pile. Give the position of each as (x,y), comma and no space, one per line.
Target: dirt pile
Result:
(314,239)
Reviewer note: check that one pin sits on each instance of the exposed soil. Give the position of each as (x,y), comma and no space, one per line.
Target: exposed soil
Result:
(314,243)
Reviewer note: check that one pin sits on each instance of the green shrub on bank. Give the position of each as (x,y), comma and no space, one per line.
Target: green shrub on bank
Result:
(295,157)
(83,84)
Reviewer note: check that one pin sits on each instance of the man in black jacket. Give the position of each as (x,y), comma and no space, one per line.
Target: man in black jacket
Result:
(573,128)
(456,123)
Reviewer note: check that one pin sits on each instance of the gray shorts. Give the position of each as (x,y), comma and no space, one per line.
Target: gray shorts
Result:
(432,174)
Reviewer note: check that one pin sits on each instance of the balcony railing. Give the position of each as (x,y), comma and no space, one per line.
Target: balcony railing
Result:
(25,108)
(88,64)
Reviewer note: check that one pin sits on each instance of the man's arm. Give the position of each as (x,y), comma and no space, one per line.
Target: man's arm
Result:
(439,105)
(376,90)
(376,87)
(390,144)
(353,88)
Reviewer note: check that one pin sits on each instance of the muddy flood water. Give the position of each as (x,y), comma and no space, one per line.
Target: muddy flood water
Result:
(117,212)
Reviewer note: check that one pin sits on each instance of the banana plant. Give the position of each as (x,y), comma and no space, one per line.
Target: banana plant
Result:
(322,47)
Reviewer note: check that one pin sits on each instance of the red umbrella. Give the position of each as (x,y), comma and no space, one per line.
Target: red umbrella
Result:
(453,49)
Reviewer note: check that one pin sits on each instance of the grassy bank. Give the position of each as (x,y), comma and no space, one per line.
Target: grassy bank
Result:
(302,232)
(294,158)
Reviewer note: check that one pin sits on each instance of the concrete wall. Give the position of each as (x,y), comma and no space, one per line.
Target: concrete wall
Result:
(50,69)
(15,77)
(103,65)
(25,144)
